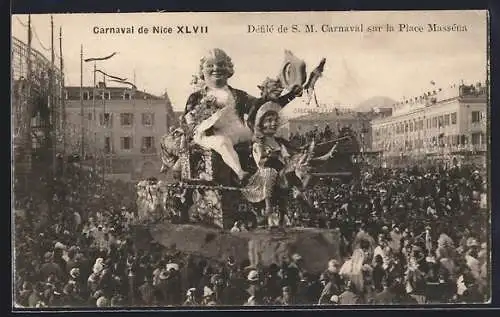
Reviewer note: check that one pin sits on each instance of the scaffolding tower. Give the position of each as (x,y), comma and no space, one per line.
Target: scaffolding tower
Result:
(36,108)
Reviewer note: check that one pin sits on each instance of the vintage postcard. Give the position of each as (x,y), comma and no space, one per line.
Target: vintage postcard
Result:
(250,159)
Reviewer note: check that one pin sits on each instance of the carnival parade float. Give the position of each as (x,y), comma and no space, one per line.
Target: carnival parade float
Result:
(231,169)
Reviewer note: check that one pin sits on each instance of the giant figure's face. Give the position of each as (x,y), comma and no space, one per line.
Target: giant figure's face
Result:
(274,90)
(271,89)
(215,71)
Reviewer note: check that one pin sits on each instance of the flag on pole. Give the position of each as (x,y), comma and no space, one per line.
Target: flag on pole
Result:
(99,58)
(110,76)
(124,82)
(313,77)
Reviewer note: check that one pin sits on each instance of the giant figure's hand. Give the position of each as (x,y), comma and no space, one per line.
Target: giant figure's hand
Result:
(297,90)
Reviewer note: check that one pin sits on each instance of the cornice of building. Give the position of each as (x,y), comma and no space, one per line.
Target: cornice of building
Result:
(428,108)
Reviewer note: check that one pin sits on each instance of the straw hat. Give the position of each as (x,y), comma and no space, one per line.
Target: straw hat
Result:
(172,266)
(75,272)
(102,302)
(207,291)
(191,291)
(253,276)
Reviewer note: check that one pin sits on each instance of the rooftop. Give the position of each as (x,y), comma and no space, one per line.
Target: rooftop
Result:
(115,93)
(437,95)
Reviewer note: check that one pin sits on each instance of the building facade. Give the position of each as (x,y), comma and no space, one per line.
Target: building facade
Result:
(122,129)
(441,122)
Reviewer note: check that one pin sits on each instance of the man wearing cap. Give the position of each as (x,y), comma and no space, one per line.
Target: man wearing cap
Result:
(254,283)
(471,257)
(75,279)
(294,272)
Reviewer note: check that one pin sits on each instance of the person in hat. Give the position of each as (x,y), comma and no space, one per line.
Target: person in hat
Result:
(294,272)
(191,299)
(253,280)
(75,278)
(277,169)
(208,297)
(236,227)
(471,256)
(254,290)
(102,302)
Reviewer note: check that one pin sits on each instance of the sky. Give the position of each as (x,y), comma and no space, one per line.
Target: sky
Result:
(359,65)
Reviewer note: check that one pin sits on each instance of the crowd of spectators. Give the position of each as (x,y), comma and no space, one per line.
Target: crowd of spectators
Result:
(423,233)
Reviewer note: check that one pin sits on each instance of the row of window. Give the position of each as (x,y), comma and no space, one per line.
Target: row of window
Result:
(126,119)
(430,123)
(127,143)
(87,95)
(418,125)
(449,140)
